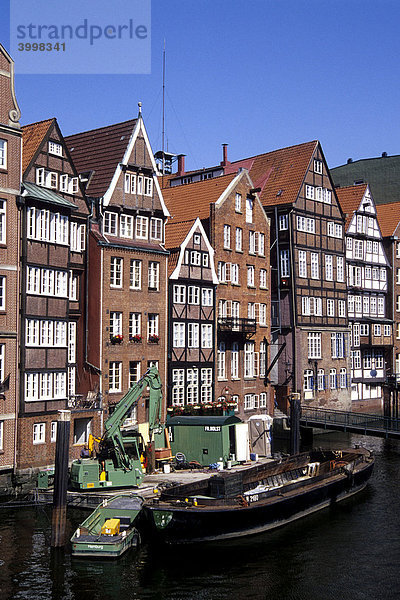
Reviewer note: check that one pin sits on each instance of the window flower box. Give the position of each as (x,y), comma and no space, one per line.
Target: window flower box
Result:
(154,339)
(117,339)
(136,339)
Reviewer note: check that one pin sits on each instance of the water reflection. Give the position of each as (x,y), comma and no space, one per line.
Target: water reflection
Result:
(350,552)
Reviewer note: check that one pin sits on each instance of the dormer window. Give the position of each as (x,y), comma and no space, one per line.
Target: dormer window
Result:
(55,148)
(3,154)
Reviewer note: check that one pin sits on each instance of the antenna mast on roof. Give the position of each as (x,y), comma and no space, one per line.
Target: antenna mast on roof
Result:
(163,114)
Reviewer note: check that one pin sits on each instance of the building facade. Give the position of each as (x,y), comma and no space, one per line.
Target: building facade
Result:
(368,274)
(127,317)
(10,180)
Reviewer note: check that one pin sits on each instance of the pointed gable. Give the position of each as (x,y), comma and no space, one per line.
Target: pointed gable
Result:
(100,151)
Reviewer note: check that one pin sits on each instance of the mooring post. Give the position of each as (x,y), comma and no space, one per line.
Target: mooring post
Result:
(295,411)
(58,525)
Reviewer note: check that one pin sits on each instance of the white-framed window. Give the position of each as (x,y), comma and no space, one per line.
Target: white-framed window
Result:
(235,361)
(337,345)
(251,310)
(148,186)
(178,387)
(45,386)
(310,192)
(192,386)
(318,166)
(381,306)
(71,339)
(3,221)
(342,308)
(205,259)
(364,329)
(314,345)
(126,226)
(239,239)
(261,244)
(135,324)
(73,185)
(110,223)
(152,324)
(55,148)
(234,274)
(193,335)
(283,222)
(377,330)
(340,268)
(206,376)
(302,263)
(306,224)
(195,258)
(249,361)
(134,372)
(3,154)
(115,323)
(253,242)
(154,275)
(193,294)
(314,265)
(249,210)
(135,274)
(116,265)
(250,276)
(77,237)
(227,237)
(206,335)
(343,378)
(179,294)
(115,376)
(329,267)
(320,380)
(330,307)
(156,229)
(130,183)
(221,361)
(356,359)
(53,431)
(47,282)
(263,279)
(39,433)
(207,296)
(387,330)
(305,305)
(238,202)
(332,379)
(285,263)
(308,383)
(142,227)
(73,286)
(2,292)
(262,314)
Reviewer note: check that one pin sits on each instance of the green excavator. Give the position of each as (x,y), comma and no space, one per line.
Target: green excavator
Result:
(117,461)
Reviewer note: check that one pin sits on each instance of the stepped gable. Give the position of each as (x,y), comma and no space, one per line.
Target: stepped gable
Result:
(350,199)
(192,200)
(100,151)
(32,137)
(388,217)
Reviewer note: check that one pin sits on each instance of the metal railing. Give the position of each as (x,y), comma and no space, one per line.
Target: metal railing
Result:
(228,324)
(339,420)
(79,402)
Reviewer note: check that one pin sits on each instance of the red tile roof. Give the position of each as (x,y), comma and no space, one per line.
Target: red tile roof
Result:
(280,173)
(100,150)
(176,232)
(186,202)
(388,217)
(350,199)
(32,137)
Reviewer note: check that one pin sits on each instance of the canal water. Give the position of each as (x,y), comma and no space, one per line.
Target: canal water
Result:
(348,552)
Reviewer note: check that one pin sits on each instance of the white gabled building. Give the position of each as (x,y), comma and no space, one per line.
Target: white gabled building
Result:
(367,282)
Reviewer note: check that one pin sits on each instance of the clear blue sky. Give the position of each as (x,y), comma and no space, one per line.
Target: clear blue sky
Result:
(258,75)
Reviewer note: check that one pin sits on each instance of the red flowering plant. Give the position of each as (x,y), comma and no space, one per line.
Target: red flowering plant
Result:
(136,339)
(117,339)
(154,339)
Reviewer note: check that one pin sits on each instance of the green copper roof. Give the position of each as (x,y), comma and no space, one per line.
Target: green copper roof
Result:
(45,195)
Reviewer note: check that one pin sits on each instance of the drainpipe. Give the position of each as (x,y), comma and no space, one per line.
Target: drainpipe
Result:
(293,312)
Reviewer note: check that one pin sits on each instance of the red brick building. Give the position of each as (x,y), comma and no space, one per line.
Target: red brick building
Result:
(10,178)
(238,230)
(127,300)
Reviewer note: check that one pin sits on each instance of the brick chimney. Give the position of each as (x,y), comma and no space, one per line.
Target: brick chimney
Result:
(224,161)
(181,164)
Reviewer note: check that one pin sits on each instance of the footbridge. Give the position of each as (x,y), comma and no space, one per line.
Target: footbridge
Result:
(361,423)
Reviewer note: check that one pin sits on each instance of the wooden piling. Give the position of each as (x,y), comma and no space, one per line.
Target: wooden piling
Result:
(295,411)
(58,529)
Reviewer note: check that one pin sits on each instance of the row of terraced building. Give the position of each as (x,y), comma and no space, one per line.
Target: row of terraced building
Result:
(242,282)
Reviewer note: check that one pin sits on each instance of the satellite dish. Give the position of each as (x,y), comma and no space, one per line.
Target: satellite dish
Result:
(373,373)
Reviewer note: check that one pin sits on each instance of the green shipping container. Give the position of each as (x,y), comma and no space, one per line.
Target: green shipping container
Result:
(204,439)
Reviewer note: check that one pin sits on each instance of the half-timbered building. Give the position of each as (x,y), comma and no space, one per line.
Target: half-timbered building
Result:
(128,261)
(10,178)
(191,316)
(367,282)
(238,230)
(54,219)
